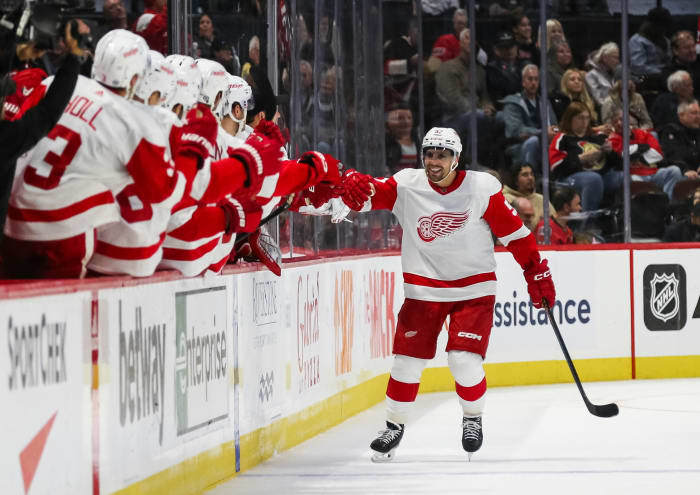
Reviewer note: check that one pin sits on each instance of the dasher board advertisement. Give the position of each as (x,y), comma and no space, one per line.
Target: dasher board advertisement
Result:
(45,395)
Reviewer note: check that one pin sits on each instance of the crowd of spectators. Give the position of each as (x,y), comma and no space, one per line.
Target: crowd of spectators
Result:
(584,118)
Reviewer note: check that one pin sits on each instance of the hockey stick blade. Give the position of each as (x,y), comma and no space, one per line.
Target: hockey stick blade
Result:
(603,410)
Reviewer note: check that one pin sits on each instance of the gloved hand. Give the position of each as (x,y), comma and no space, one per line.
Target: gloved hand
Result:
(320,194)
(356,189)
(539,284)
(261,156)
(198,135)
(242,215)
(270,130)
(326,167)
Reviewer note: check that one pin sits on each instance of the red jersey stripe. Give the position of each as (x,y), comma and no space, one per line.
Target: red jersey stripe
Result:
(189,254)
(411,278)
(60,214)
(128,253)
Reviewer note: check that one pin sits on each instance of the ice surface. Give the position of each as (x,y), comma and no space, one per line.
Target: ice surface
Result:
(537,440)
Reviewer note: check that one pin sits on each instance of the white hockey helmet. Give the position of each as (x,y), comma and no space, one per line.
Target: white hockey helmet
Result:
(119,56)
(239,92)
(215,81)
(443,138)
(160,76)
(188,85)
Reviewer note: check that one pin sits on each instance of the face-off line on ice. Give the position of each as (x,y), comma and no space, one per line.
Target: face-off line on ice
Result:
(450,215)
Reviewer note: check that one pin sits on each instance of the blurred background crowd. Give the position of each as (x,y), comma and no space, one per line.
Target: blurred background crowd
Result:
(364,79)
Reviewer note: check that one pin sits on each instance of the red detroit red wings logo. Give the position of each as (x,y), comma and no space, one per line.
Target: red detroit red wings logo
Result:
(441,224)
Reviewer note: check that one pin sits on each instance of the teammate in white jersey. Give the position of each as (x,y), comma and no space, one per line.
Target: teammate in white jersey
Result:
(74,174)
(133,245)
(447,255)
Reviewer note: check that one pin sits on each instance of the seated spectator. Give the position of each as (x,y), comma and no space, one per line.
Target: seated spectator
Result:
(573,89)
(525,211)
(152,25)
(649,48)
(113,17)
(523,186)
(224,53)
(559,60)
(253,57)
(401,61)
(638,107)
(577,153)
(503,73)
(687,230)
(528,53)
(402,145)
(600,77)
(205,37)
(554,33)
(646,159)
(696,196)
(566,201)
(447,46)
(453,88)
(685,57)
(665,108)
(521,113)
(681,141)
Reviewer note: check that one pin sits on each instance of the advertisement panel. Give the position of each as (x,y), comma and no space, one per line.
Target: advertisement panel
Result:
(166,356)
(45,395)
(592,308)
(264,349)
(667,302)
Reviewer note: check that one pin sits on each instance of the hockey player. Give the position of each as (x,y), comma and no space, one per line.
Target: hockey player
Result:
(133,245)
(189,84)
(74,174)
(448,217)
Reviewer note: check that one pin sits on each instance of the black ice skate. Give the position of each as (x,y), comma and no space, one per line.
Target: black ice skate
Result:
(472,436)
(387,441)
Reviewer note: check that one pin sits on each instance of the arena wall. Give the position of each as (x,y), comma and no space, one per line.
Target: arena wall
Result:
(173,385)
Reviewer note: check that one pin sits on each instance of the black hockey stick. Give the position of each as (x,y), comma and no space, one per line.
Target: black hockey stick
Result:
(273,214)
(602,411)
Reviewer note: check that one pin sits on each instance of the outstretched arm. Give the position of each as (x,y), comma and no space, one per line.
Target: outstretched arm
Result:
(363,192)
(507,226)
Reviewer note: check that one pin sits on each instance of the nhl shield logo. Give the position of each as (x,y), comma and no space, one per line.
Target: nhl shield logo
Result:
(664,297)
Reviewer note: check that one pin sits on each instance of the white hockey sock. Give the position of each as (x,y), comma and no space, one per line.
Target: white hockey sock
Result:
(470,381)
(403,387)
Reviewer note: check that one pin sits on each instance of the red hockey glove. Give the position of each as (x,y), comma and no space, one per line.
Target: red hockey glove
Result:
(356,189)
(270,130)
(540,284)
(260,156)
(321,194)
(326,167)
(267,251)
(242,215)
(199,133)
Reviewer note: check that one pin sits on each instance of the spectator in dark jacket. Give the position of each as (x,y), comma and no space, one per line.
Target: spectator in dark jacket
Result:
(684,58)
(21,135)
(665,108)
(577,153)
(503,73)
(521,113)
(681,141)
(528,52)
(686,230)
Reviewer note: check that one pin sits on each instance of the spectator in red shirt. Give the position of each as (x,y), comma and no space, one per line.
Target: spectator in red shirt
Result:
(447,46)
(566,201)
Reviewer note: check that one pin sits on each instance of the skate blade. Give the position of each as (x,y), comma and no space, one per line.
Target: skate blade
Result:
(380,457)
(469,456)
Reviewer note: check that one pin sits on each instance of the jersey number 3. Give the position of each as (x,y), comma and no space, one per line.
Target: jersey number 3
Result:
(58,163)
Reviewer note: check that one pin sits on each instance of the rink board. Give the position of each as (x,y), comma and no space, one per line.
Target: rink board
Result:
(173,385)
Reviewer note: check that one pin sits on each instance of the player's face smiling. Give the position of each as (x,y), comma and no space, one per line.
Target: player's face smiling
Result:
(437,164)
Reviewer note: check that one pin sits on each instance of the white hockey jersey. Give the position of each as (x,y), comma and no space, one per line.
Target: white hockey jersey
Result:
(447,250)
(73,174)
(133,245)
